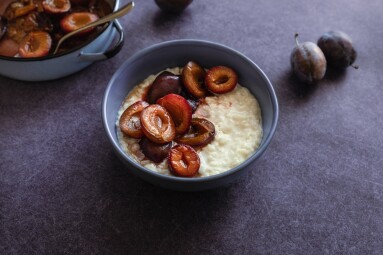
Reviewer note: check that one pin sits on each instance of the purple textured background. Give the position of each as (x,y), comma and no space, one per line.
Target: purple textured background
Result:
(317,190)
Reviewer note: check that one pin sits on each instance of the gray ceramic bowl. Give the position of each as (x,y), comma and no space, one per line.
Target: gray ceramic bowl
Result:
(177,53)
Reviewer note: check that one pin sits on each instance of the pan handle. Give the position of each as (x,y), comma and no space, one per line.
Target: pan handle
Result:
(109,53)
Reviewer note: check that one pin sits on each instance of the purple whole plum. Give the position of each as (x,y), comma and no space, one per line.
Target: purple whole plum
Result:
(338,49)
(174,6)
(308,61)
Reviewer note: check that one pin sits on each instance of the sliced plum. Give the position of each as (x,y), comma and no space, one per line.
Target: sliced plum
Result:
(179,109)
(193,77)
(77,20)
(130,123)
(157,124)
(17,9)
(221,79)
(183,161)
(35,44)
(201,132)
(56,6)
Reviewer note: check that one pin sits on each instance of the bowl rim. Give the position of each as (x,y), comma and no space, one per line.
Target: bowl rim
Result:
(78,47)
(189,42)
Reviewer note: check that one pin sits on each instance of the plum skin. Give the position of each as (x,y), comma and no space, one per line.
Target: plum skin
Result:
(180,111)
(221,79)
(129,122)
(201,133)
(308,61)
(35,44)
(157,124)
(164,84)
(183,161)
(154,151)
(193,78)
(338,49)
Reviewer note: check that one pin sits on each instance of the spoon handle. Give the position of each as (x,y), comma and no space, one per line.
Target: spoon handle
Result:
(114,15)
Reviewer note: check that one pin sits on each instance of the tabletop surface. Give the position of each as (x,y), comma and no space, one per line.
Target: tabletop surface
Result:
(318,189)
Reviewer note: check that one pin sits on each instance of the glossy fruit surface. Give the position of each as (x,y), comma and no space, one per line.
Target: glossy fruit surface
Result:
(56,6)
(308,61)
(38,21)
(183,161)
(201,132)
(77,20)
(157,124)
(179,109)
(193,103)
(35,44)
(221,79)
(156,152)
(165,83)
(130,123)
(16,10)
(173,5)
(338,49)
(193,78)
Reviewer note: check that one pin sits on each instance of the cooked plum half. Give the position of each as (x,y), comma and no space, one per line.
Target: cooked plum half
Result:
(17,9)
(38,21)
(193,77)
(35,44)
(77,20)
(201,132)
(183,161)
(56,6)
(221,79)
(130,123)
(156,152)
(157,124)
(18,28)
(165,83)
(179,109)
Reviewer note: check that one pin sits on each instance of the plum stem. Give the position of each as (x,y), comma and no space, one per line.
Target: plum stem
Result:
(296,39)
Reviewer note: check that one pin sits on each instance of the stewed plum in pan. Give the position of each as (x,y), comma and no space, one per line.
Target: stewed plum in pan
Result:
(31,28)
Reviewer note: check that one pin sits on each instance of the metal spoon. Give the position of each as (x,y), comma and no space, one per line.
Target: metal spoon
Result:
(114,15)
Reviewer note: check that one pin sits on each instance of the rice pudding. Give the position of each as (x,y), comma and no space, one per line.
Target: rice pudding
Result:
(236,116)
